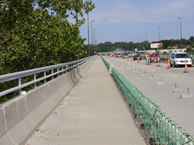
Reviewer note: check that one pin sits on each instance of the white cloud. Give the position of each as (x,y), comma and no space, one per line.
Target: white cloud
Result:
(123,12)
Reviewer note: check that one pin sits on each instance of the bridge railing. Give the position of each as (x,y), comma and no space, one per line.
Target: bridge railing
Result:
(54,70)
(158,127)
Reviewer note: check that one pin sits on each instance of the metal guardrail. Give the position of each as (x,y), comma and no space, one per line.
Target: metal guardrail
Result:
(158,127)
(60,68)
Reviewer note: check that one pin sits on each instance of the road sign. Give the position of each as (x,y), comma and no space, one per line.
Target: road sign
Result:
(118,49)
(155,45)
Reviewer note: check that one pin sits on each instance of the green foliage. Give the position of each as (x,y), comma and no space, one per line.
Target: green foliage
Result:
(189,50)
(37,33)
(109,46)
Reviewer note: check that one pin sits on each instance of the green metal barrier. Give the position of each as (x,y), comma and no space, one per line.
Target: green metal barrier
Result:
(159,128)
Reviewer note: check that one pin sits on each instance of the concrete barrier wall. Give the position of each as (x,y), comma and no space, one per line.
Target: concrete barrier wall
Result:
(20,117)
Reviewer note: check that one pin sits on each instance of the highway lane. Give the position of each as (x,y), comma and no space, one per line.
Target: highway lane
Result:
(158,84)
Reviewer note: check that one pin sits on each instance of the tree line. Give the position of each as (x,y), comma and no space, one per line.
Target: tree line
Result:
(36,33)
(145,45)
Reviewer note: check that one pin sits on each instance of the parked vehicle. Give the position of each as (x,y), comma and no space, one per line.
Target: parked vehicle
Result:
(179,58)
(154,57)
(135,57)
(118,55)
(125,55)
(113,55)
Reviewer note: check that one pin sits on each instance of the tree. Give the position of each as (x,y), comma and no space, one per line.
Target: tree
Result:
(191,38)
(36,33)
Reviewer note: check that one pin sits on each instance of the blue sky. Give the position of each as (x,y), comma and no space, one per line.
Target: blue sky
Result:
(138,20)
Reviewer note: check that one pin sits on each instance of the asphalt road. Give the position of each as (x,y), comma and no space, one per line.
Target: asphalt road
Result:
(158,84)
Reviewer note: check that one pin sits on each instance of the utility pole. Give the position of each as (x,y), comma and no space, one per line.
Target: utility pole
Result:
(159,38)
(138,39)
(95,41)
(88,34)
(180,30)
(92,35)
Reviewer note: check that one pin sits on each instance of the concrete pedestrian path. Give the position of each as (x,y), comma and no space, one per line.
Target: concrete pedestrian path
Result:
(93,113)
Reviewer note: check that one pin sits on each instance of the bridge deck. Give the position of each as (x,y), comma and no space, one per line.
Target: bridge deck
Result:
(93,113)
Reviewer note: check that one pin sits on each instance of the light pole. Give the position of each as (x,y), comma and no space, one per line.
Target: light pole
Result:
(95,37)
(88,34)
(92,37)
(180,29)
(159,32)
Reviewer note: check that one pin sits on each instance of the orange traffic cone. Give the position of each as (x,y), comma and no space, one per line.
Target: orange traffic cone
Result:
(168,63)
(186,71)
(158,62)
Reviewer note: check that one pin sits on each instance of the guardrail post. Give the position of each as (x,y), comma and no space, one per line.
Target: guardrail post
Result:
(62,69)
(58,71)
(65,69)
(45,76)
(34,80)
(71,67)
(52,74)
(78,63)
(74,64)
(19,84)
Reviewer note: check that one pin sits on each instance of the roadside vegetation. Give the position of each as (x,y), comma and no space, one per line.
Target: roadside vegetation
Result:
(37,33)
(130,46)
